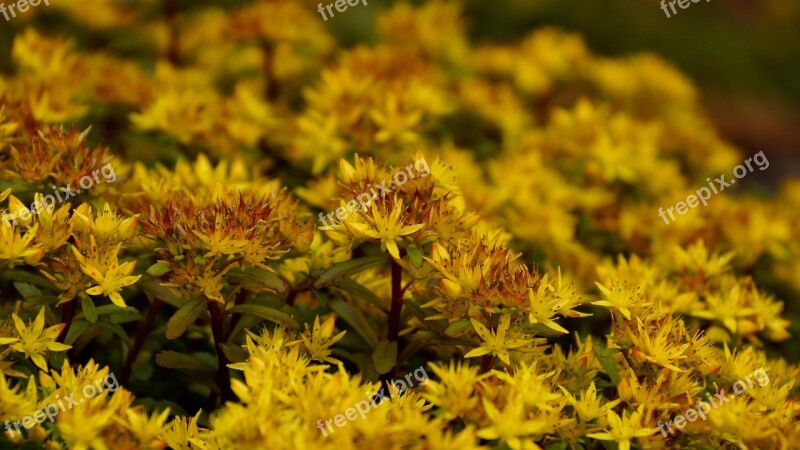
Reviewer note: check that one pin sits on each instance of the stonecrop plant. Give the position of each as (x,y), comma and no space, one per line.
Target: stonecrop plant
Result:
(528,273)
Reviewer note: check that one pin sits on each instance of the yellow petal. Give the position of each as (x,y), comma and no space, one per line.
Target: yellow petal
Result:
(480,351)
(117,299)
(393,249)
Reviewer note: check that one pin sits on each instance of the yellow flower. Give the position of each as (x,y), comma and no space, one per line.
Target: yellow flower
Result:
(35,340)
(319,343)
(495,343)
(15,248)
(619,298)
(511,425)
(697,259)
(623,429)
(221,242)
(116,276)
(105,225)
(16,402)
(589,405)
(545,305)
(395,125)
(54,225)
(387,228)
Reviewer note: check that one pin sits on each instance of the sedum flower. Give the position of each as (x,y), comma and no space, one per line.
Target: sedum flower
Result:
(110,276)
(321,338)
(623,429)
(511,425)
(16,248)
(495,342)
(388,228)
(105,225)
(34,339)
(589,405)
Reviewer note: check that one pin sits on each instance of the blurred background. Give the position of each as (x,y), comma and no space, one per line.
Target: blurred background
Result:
(744,55)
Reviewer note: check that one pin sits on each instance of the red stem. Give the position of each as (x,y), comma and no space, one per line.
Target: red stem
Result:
(141,335)
(397,301)
(218,332)
(66,318)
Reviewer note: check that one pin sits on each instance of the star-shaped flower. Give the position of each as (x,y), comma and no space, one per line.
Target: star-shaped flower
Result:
(116,275)
(389,228)
(495,343)
(35,340)
(624,429)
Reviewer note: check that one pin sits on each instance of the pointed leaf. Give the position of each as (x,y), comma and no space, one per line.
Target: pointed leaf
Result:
(87,306)
(163,293)
(158,269)
(255,279)
(355,318)
(265,312)
(185,316)
(456,329)
(384,358)
(175,360)
(416,256)
(347,268)
(26,289)
(607,361)
(354,287)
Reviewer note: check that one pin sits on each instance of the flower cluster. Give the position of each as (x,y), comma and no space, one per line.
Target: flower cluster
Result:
(523,267)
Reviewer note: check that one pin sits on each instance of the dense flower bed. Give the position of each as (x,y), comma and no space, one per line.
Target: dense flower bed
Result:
(527,274)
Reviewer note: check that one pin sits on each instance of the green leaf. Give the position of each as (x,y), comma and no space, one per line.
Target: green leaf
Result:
(384,358)
(116,329)
(106,310)
(347,268)
(266,312)
(355,318)
(606,359)
(87,306)
(185,316)
(36,301)
(361,360)
(175,360)
(27,277)
(354,287)
(456,329)
(163,293)
(76,330)
(557,446)
(416,256)
(142,370)
(26,289)
(235,353)
(244,323)
(158,269)
(255,279)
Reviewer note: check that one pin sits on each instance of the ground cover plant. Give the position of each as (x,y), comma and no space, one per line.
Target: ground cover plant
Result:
(240,234)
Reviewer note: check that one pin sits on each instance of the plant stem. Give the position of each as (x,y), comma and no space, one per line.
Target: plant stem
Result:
(397,301)
(173,54)
(66,318)
(141,335)
(240,296)
(218,332)
(486,363)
